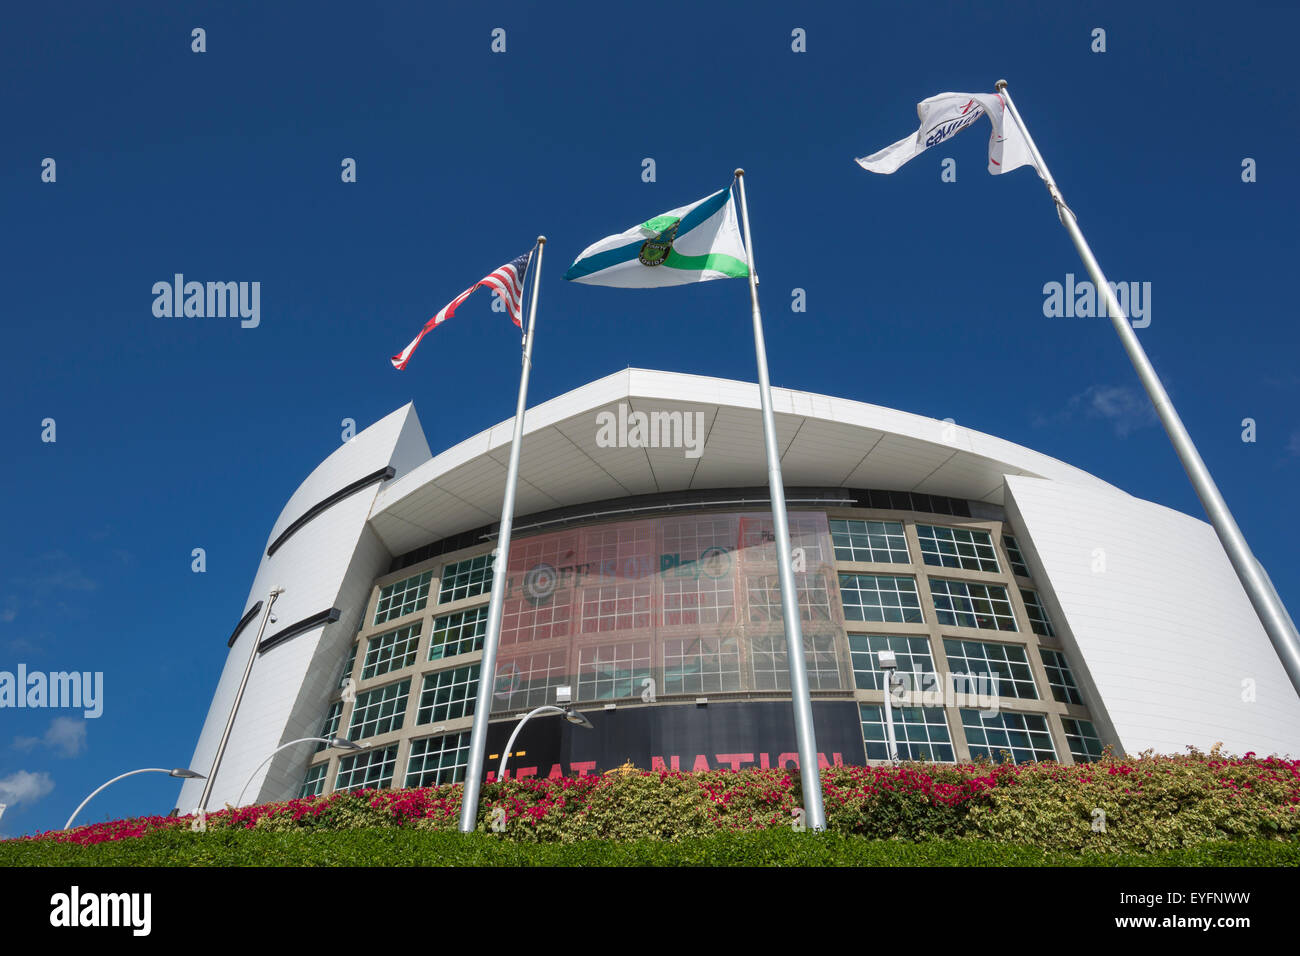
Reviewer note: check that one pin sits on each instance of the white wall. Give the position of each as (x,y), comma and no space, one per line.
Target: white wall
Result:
(1166,632)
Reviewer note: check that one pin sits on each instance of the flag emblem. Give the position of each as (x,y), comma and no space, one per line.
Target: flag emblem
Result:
(655,251)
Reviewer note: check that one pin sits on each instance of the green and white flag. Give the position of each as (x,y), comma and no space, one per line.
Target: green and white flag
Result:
(694,243)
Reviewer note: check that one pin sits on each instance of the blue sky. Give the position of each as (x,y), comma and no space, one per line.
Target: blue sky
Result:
(922,295)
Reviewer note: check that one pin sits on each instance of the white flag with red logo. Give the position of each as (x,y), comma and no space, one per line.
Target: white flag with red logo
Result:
(946,115)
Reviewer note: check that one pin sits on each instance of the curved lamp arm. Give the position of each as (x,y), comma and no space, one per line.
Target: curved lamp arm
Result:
(186,774)
(505,755)
(332,741)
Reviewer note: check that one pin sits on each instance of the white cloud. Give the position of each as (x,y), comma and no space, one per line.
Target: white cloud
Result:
(24,787)
(1125,407)
(66,737)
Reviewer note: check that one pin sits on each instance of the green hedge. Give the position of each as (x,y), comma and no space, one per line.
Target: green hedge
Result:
(394,846)
(1133,805)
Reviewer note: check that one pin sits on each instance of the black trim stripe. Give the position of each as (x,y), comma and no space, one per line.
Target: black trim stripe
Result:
(243,623)
(293,630)
(383,474)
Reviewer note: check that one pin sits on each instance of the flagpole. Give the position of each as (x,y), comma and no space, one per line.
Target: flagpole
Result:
(487,669)
(1268,605)
(809,772)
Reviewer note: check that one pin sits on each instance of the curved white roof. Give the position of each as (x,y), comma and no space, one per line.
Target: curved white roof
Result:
(825,442)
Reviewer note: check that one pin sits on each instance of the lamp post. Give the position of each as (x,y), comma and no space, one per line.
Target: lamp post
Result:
(563,695)
(342,743)
(889,664)
(234,708)
(179,772)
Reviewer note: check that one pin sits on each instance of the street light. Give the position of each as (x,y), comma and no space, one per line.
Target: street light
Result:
(179,772)
(234,708)
(889,664)
(563,695)
(342,743)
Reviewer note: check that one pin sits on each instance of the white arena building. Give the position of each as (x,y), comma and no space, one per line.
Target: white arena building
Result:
(644,578)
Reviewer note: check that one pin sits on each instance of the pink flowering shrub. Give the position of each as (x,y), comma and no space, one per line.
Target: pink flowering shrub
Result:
(1137,803)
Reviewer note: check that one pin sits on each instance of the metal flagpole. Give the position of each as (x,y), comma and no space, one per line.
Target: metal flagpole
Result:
(1272,613)
(234,708)
(809,772)
(487,669)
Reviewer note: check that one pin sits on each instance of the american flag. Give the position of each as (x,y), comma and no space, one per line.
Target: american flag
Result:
(507,282)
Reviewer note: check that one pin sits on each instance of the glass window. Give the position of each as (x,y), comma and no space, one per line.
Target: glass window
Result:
(461,633)
(701,665)
(764,598)
(613,670)
(878,598)
(403,597)
(372,769)
(391,651)
(1005,665)
(331,725)
(1024,737)
(448,694)
(966,548)
(347,668)
(869,541)
(525,681)
(1083,740)
(1038,619)
(967,604)
(1059,677)
(379,711)
(314,783)
(913,655)
(438,760)
(466,579)
(1017,559)
(772,667)
(920,733)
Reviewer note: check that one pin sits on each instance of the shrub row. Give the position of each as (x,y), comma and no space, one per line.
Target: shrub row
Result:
(1141,804)
(408,846)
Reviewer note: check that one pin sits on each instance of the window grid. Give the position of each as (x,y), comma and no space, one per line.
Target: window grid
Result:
(772,666)
(403,597)
(881,541)
(438,760)
(331,725)
(613,670)
(701,665)
(379,711)
(526,681)
(920,733)
(764,598)
(1059,678)
(448,695)
(880,598)
(391,651)
(702,600)
(913,658)
(347,668)
(466,578)
(1024,736)
(1007,664)
(969,604)
(314,783)
(460,633)
(1017,559)
(620,606)
(1039,622)
(372,769)
(967,548)
(1082,739)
